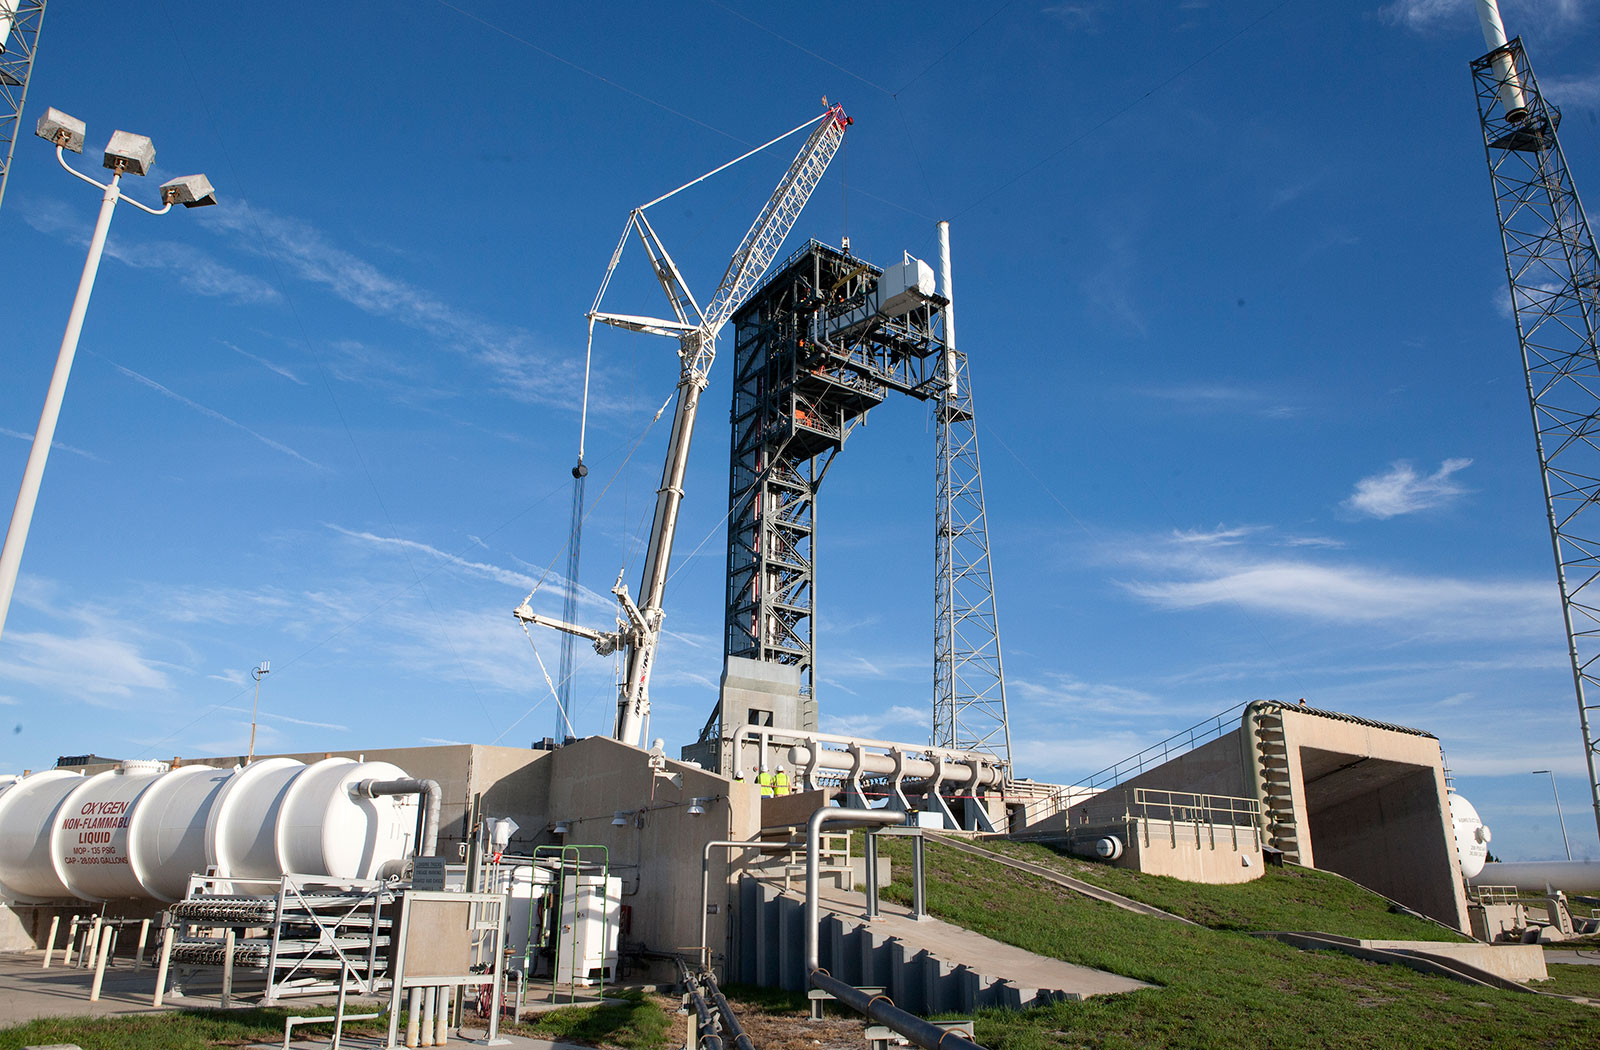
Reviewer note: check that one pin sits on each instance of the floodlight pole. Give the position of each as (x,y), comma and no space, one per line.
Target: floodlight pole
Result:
(33,474)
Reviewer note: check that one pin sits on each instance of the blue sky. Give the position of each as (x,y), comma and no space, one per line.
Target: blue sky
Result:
(1250,404)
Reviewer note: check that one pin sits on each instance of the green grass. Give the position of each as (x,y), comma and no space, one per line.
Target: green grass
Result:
(1288,898)
(637,1023)
(1570,979)
(180,1030)
(1218,988)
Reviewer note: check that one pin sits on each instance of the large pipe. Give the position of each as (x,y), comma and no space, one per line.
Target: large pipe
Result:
(432,795)
(948,291)
(881,1009)
(831,815)
(915,768)
(730,1023)
(1494,35)
(705,883)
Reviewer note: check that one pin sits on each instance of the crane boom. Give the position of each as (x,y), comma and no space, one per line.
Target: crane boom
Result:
(639,625)
(696,351)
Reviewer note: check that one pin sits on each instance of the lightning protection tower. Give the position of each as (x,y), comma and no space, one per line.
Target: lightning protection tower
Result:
(20,22)
(1554,274)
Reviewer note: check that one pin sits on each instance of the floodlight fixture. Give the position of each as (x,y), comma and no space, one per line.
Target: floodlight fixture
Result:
(65,131)
(561,827)
(130,154)
(697,807)
(191,191)
(619,819)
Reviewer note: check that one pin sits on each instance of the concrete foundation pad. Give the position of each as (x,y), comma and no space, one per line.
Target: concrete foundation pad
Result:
(1514,962)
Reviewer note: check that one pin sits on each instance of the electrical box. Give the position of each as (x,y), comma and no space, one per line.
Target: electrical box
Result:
(904,287)
(590,928)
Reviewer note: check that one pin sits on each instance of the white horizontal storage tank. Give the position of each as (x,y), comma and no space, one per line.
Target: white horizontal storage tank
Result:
(141,830)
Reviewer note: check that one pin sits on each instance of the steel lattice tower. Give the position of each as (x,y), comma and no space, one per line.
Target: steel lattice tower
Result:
(969,683)
(1554,275)
(20,22)
(812,355)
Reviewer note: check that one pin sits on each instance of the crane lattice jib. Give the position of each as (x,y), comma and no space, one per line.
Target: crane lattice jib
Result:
(1554,275)
(767,234)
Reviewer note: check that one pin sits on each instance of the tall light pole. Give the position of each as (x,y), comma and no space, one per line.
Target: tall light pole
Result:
(124,154)
(1559,817)
(258,674)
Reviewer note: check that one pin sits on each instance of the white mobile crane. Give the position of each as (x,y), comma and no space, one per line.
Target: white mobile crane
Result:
(638,629)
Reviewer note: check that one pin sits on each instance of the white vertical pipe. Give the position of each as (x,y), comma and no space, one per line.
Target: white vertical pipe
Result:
(427,1015)
(413,1016)
(948,291)
(227,970)
(44,436)
(91,945)
(1494,36)
(161,967)
(55,924)
(100,965)
(72,938)
(144,933)
(441,1018)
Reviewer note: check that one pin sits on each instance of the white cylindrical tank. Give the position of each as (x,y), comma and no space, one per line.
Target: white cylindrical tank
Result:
(1472,836)
(141,830)
(1541,876)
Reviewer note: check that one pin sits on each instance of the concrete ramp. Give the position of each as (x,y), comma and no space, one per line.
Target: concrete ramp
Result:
(926,966)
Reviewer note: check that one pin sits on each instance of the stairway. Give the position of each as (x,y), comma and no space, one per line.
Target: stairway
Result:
(1277,802)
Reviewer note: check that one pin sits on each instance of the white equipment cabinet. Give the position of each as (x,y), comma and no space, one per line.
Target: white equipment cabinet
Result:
(591,922)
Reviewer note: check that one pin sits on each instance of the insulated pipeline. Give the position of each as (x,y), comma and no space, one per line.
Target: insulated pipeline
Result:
(881,1009)
(432,795)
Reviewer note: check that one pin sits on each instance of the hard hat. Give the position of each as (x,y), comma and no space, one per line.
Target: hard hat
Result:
(780,769)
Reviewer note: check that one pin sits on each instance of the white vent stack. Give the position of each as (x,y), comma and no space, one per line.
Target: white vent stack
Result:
(1494,35)
(142,830)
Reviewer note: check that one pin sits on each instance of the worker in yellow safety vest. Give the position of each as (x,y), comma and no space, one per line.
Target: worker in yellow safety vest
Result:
(764,782)
(780,782)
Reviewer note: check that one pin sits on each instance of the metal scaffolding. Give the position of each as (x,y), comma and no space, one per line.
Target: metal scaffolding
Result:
(1554,276)
(969,682)
(812,356)
(20,22)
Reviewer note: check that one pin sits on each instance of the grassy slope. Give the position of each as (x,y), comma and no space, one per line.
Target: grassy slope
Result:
(1288,898)
(639,1023)
(1219,988)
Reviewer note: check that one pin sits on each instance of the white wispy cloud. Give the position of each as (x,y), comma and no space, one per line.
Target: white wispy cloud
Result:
(214,414)
(1357,594)
(1576,91)
(1215,397)
(521,368)
(897,718)
(1401,490)
(306,722)
(95,665)
(55,446)
(264,363)
(1059,689)
(196,270)
(1448,15)
(1217,537)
